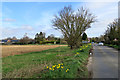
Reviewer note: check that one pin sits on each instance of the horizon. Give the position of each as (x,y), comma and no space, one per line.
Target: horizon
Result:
(19,18)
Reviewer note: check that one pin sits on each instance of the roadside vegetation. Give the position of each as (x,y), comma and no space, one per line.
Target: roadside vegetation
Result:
(112,34)
(60,62)
(113,46)
(111,37)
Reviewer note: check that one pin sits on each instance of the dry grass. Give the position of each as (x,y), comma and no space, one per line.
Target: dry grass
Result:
(8,50)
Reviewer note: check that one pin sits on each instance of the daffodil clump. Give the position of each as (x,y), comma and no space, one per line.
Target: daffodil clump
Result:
(77,53)
(85,46)
(54,67)
(58,67)
(67,70)
(82,48)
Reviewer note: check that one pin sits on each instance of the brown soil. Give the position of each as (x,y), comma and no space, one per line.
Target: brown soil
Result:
(8,50)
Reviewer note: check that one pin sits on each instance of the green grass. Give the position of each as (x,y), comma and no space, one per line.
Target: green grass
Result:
(113,46)
(32,65)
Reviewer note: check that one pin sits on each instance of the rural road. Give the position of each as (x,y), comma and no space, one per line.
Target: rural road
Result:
(105,62)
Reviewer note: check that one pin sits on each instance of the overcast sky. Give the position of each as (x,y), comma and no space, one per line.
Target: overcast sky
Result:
(19,18)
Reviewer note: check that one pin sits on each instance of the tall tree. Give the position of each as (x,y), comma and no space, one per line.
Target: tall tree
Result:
(84,36)
(72,24)
(39,37)
(112,32)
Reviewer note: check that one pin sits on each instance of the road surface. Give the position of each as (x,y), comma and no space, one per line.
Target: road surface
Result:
(105,62)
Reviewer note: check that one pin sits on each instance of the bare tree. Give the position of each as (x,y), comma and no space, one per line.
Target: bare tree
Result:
(72,24)
(51,37)
(25,39)
(113,32)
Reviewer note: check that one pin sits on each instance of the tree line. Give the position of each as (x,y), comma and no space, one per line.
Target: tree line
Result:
(39,39)
(111,35)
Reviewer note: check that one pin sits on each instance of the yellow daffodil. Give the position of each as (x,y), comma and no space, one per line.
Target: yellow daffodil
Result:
(47,66)
(50,68)
(77,53)
(58,67)
(53,69)
(67,69)
(53,66)
(61,67)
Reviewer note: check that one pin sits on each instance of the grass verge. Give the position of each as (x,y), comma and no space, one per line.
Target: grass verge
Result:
(60,62)
(113,46)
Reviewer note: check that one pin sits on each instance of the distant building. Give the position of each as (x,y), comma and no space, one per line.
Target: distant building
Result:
(3,41)
(14,41)
(8,41)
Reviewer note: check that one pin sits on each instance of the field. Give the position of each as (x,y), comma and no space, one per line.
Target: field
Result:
(59,62)
(8,50)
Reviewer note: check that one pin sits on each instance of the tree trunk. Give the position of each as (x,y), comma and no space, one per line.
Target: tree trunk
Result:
(71,47)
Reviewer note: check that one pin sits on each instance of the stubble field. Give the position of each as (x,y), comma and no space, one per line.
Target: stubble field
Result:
(8,50)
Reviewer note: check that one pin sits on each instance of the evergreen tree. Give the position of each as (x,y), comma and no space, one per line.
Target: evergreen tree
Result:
(84,36)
